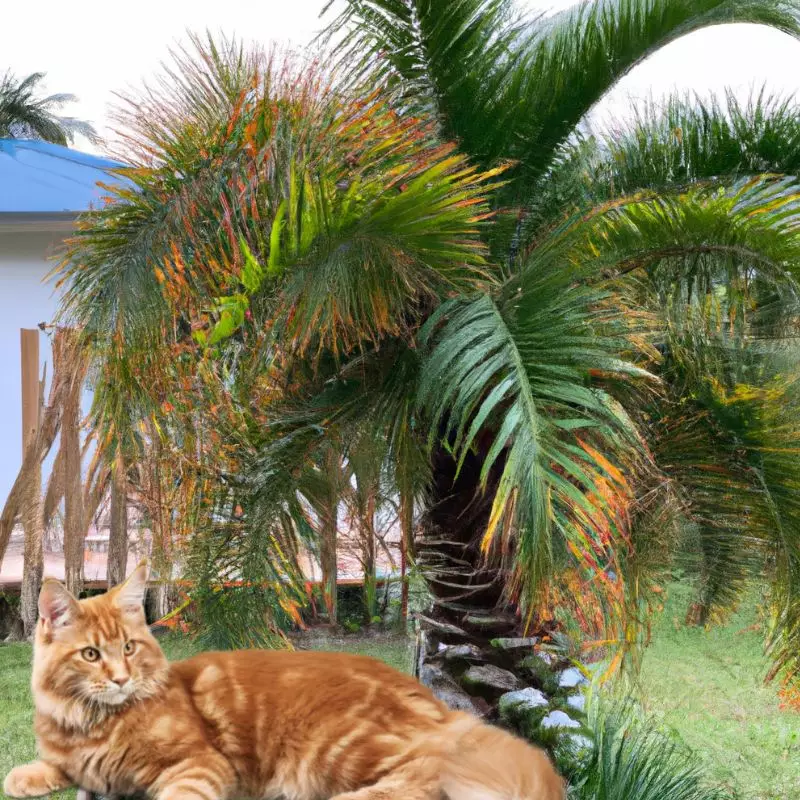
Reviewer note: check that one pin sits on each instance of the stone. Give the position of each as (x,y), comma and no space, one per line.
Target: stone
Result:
(522,699)
(443,630)
(558,719)
(546,657)
(540,674)
(577,701)
(535,662)
(490,622)
(464,652)
(515,644)
(572,677)
(450,693)
(491,680)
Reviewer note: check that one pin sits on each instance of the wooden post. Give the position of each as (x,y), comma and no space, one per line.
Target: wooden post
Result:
(31,501)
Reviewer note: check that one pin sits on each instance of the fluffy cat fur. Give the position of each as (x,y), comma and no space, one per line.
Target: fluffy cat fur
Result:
(113,716)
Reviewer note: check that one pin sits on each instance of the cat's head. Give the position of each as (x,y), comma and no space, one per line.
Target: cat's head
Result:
(96,653)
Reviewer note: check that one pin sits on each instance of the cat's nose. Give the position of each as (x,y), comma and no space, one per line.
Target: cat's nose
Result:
(121,680)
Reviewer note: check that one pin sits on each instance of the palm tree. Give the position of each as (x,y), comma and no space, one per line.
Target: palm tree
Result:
(566,344)
(517,91)
(26,115)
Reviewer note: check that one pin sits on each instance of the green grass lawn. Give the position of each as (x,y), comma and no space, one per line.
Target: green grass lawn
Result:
(16,710)
(708,686)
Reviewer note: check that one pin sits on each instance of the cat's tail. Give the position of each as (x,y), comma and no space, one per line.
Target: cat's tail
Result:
(484,762)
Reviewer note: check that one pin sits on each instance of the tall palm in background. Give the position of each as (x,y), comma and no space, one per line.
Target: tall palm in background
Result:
(569,347)
(25,114)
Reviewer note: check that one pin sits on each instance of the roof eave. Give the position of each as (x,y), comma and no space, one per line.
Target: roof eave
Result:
(32,222)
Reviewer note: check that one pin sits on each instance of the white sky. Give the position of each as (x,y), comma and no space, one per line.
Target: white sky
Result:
(93,47)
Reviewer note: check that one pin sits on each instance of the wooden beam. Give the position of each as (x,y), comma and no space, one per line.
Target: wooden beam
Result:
(31,501)
(29,347)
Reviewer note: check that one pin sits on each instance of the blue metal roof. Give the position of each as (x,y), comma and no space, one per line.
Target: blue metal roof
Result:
(43,178)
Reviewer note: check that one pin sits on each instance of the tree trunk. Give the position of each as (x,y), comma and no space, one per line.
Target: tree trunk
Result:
(328,513)
(55,490)
(74,530)
(465,587)
(328,528)
(406,543)
(369,538)
(118,538)
(31,489)
(39,447)
(33,553)
(471,651)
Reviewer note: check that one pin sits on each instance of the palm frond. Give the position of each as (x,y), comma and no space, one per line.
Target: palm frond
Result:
(518,370)
(667,147)
(422,48)
(575,57)
(26,115)
(730,439)
(251,178)
(688,139)
(511,89)
(723,244)
(632,757)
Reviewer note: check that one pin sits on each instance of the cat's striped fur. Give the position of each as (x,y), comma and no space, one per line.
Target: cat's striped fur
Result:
(114,717)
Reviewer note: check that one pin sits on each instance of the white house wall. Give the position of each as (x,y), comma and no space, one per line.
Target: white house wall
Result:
(25,301)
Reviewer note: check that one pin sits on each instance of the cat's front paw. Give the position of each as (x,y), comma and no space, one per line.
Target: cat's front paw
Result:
(34,780)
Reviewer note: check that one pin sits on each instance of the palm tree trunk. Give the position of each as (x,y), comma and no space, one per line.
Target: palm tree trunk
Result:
(464,586)
(74,530)
(118,535)
(328,564)
(370,538)
(33,553)
(472,652)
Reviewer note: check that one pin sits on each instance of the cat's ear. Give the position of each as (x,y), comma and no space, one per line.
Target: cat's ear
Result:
(129,595)
(57,604)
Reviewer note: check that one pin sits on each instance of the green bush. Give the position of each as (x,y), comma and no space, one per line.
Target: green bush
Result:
(632,759)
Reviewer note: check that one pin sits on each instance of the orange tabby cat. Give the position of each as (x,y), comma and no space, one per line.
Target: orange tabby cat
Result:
(113,716)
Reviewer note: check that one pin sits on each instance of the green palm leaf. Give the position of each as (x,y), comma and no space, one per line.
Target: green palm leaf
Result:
(25,115)
(688,139)
(632,759)
(509,89)
(518,368)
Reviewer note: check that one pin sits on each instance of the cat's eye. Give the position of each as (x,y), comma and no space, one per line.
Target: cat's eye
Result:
(90,653)
(129,649)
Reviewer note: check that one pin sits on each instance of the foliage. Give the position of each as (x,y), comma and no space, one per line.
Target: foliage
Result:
(366,213)
(426,246)
(707,684)
(508,87)
(26,115)
(634,760)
